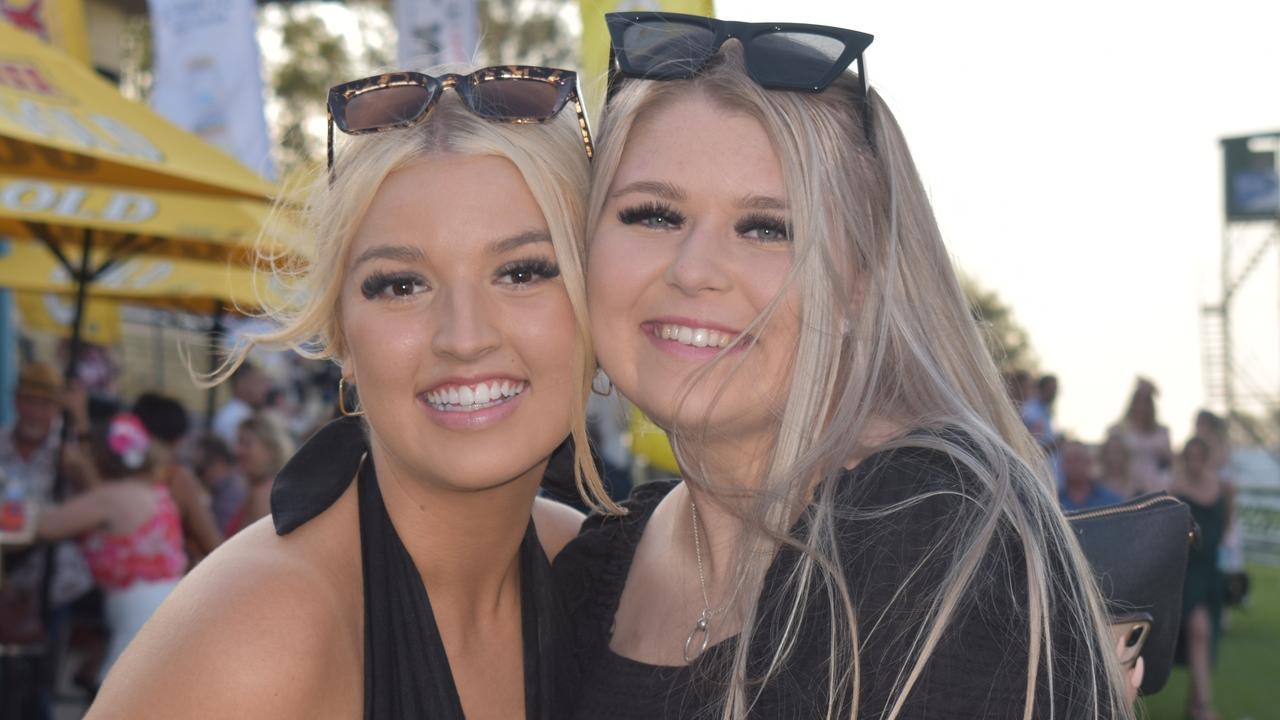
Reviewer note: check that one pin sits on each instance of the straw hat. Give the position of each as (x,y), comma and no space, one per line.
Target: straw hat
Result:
(40,380)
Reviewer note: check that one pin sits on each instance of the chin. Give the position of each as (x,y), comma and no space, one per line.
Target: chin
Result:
(482,479)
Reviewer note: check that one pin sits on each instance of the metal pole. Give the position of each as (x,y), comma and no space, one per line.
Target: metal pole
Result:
(82,277)
(216,329)
(1228,364)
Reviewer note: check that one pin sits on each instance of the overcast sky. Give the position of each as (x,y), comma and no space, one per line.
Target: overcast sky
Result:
(1072,157)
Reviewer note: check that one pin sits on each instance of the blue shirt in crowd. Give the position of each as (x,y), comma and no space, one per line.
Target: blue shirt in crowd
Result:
(1098,497)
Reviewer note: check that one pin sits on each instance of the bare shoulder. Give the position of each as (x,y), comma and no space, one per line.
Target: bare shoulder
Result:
(556,524)
(265,627)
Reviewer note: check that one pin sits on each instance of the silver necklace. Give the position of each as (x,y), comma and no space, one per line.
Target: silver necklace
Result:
(701,630)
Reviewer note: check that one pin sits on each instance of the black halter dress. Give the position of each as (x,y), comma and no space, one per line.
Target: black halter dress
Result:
(406,670)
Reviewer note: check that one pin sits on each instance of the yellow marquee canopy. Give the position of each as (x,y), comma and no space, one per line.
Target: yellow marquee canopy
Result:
(191,285)
(161,223)
(58,119)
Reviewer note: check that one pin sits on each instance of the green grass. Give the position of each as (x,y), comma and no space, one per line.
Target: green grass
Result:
(1246,682)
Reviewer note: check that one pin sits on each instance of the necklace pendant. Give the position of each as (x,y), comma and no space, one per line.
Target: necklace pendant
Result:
(700,634)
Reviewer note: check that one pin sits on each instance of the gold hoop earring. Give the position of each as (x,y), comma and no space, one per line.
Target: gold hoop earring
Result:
(342,400)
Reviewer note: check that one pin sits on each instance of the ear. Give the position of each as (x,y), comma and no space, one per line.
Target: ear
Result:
(347,366)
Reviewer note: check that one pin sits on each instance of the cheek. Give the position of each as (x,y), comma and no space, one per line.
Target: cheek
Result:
(383,348)
(545,338)
(605,274)
(763,281)
(618,274)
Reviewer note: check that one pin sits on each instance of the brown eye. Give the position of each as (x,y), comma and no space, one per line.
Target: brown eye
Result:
(380,285)
(525,272)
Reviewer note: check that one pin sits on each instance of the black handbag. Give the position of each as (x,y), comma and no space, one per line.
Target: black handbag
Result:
(1138,551)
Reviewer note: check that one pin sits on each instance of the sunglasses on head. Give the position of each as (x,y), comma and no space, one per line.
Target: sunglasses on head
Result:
(779,56)
(518,94)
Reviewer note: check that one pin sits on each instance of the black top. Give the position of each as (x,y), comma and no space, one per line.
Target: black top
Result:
(979,669)
(406,670)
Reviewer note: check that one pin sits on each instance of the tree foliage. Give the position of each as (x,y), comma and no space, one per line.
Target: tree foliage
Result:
(308,59)
(312,57)
(527,32)
(1007,341)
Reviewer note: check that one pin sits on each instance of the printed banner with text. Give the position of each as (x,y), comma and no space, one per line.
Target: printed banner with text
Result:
(208,76)
(435,31)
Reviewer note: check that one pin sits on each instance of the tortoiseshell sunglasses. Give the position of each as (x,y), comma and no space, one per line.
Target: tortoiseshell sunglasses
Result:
(517,94)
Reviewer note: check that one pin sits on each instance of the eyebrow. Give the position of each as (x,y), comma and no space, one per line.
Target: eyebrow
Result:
(528,237)
(762,202)
(664,190)
(674,193)
(401,253)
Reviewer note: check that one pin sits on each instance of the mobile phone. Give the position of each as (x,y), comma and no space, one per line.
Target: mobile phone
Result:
(1130,634)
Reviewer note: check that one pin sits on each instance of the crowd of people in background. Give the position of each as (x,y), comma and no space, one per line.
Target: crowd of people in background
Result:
(142,498)
(1135,458)
(146,497)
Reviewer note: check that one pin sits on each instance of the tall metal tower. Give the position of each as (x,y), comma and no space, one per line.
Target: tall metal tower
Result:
(1250,232)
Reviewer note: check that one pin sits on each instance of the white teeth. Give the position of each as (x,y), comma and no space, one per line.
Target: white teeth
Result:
(696,337)
(463,397)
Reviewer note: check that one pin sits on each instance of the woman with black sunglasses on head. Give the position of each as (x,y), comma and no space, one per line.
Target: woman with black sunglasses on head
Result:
(864,528)
(404,572)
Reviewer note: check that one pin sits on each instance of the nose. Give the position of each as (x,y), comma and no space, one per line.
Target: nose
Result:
(466,328)
(698,264)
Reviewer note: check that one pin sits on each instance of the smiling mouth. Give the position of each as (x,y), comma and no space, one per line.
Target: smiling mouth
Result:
(693,336)
(469,398)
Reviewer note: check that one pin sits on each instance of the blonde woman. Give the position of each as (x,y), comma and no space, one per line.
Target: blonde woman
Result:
(262,447)
(1147,440)
(864,528)
(446,283)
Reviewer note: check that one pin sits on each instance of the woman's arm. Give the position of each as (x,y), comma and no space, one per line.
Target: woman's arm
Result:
(80,514)
(193,504)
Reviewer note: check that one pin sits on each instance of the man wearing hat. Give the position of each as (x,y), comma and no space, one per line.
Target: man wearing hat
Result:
(29,449)
(28,463)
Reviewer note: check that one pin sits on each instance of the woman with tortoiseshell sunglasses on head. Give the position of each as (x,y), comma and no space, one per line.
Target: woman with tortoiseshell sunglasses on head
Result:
(864,528)
(404,571)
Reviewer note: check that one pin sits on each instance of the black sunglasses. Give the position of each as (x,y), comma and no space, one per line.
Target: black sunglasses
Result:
(779,56)
(517,94)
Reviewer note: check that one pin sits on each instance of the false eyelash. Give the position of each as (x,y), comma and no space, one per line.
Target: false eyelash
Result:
(541,268)
(377,283)
(763,221)
(669,216)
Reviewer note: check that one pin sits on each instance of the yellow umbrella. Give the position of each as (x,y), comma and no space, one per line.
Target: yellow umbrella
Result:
(190,285)
(156,222)
(59,119)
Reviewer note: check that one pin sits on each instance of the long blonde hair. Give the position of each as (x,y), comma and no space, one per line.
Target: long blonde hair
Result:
(886,335)
(551,159)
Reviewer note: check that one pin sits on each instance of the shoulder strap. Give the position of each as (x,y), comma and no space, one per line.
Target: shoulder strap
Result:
(406,670)
(317,474)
